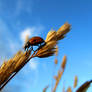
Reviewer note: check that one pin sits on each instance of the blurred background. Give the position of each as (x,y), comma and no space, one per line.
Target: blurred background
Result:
(19,18)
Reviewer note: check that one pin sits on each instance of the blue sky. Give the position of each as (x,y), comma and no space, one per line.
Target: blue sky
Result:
(37,17)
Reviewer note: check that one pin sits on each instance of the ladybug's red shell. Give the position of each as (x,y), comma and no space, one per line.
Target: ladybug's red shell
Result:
(35,40)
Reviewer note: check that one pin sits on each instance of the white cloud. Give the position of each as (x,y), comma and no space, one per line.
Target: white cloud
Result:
(25,33)
(33,64)
(31,31)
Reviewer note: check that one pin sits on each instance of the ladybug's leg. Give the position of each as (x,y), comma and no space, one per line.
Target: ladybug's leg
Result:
(39,45)
(31,48)
(27,49)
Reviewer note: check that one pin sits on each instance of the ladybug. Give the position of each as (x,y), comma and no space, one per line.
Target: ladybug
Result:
(34,41)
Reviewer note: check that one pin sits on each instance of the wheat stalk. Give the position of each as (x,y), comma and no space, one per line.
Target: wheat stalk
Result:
(84,87)
(60,73)
(10,68)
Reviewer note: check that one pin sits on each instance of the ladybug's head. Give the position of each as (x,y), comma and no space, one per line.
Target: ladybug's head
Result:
(27,45)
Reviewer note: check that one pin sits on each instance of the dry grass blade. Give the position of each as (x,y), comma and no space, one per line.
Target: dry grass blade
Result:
(58,77)
(48,46)
(58,35)
(51,41)
(45,89)
(56,61)
(60,73)
(62,31)
(26,39)
(56,50)
(47,50)
(63,90)
(51,36)
(12,65)
(69,89)
(55,77)
(84,87)
(46,54)
(75,81)
(63,62)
